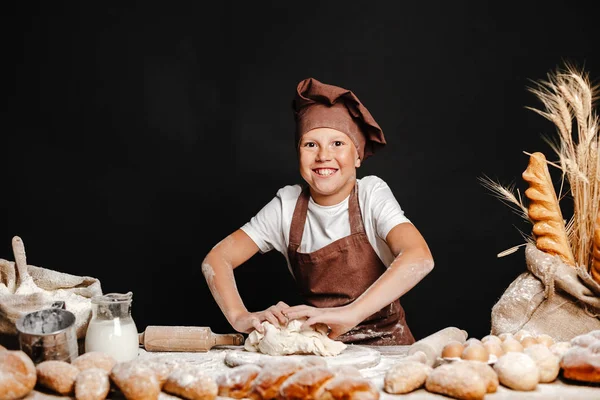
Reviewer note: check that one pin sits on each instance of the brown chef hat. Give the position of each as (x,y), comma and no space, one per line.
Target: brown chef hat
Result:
(318,105)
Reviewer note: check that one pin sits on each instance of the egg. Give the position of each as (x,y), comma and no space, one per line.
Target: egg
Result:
(491,338)
(545,339)
(493,347)
(475,351)
(512,344)
(528,341)
(504,336)
(452,349)
(522,334)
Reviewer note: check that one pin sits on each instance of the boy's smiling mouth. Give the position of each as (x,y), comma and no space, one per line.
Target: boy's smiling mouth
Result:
(324,171)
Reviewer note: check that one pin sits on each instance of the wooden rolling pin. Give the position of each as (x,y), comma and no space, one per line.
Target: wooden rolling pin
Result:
(185,338)
(433,344)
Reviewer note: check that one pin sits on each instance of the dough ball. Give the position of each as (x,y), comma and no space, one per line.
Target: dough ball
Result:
(471,341)
(476,352)
(517,371)
(92,384)
(405,376)
(494,348)
(560,348)
(528,341)
(58,376)
(545,339)
(452,349)
(546,361)
(491,338)
(522,334)
(456,380)
(512,344)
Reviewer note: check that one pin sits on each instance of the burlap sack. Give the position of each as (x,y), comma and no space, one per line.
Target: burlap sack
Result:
(551,298)
(27,288)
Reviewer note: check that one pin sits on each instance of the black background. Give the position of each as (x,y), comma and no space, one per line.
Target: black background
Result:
(135,137)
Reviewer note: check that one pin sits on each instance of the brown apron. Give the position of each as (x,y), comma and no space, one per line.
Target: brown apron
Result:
(338,273)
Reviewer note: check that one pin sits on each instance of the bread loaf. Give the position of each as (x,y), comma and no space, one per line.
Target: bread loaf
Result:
(237,382)
(58,376)
(92,384)
(306,384)
(581,361)
(457,380)
(595,269)
(544,210)
(405,377)
(136,380)
(271,377)
(346,387)
(192,384)
(94,359)
(17,374)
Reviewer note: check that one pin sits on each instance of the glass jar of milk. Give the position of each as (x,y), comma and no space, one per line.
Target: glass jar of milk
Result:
(112,330)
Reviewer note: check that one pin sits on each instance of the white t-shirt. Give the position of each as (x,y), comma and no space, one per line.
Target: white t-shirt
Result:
(270,228)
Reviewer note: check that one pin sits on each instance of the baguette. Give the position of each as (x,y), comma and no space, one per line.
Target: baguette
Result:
(544,211)
(595,270)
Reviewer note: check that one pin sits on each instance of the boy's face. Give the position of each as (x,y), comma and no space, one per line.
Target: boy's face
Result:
(328,162)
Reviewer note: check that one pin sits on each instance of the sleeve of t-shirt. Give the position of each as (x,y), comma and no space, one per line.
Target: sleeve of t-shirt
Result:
(386,210)
(265,227)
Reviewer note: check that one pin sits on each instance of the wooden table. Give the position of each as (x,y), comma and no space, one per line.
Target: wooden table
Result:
(212,362)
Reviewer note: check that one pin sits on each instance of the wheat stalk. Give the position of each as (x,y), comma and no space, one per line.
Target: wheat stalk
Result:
(568,97)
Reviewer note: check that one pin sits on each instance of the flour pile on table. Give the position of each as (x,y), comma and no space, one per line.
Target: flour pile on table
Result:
(278,341)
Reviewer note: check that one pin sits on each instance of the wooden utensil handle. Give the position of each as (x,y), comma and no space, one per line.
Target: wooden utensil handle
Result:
(229,339)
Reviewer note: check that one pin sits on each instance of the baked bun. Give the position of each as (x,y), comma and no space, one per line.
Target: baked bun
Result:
(17,374)
(192,384)
(457,380)
(581,362)
(346,387)
(237,382)
(58,376)
(92,384)
(544,210)
(405,377)
(306,384)
(136,380)
(271,377)
(94,359)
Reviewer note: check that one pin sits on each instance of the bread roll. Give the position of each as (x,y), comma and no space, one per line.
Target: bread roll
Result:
(58,376)
(237,382)
(345,387)
(487,373)
(92,384)
(94,359)
(192,384)
(517,371)
(581,361)
(544,210)
(271,377)
(456,380)
(136,380)
(306,384)
(546,361)
(17,374)
(405,377)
